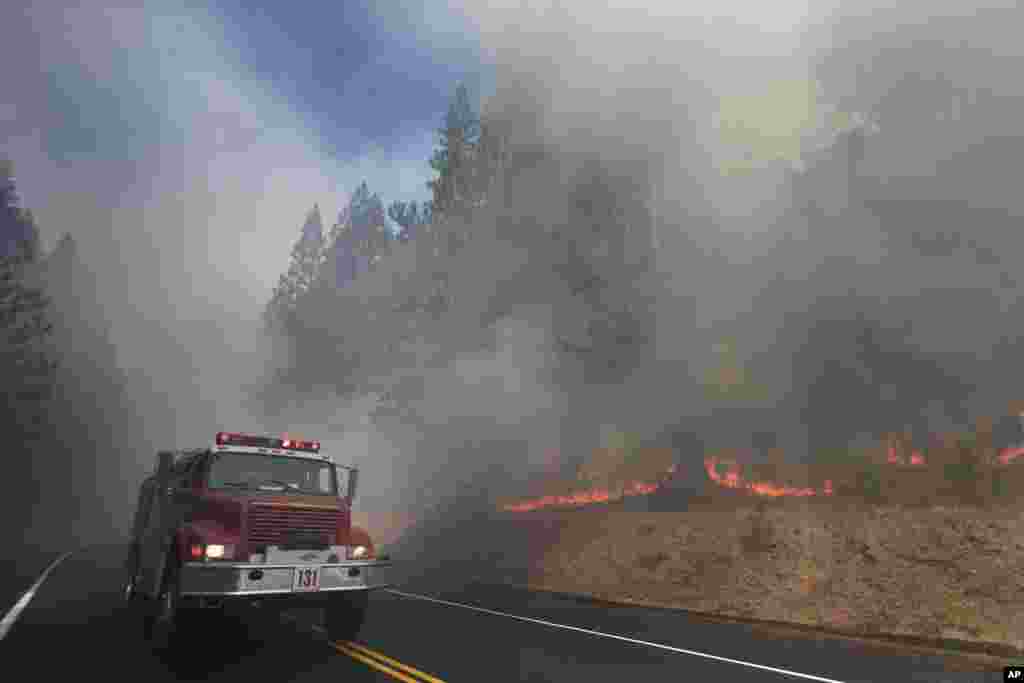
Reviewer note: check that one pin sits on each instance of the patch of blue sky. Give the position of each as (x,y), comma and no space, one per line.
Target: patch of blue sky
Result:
(210,61)
(370,74)
(364,84)
(204,76)
(118,117)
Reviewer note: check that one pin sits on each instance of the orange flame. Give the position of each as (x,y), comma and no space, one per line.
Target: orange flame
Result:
(598,495)
(731,479)
(916,458)
(1009,454)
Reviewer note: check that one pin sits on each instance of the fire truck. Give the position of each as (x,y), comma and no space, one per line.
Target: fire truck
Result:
(249,519)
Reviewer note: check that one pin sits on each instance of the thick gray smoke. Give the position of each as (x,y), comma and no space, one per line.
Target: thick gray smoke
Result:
(641,91)
(867,287)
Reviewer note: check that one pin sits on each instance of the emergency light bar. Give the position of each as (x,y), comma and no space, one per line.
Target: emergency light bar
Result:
(254,441)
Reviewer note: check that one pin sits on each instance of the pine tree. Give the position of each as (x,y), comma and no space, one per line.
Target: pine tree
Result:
(369,226)
(338,267)
(23,325)
(358,240)
(489,161)
(19,236)
(26,369)
(456,188)
(301,275)
(25,364)
(410,216)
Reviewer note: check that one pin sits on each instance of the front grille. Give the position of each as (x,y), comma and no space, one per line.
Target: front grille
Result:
(273,524)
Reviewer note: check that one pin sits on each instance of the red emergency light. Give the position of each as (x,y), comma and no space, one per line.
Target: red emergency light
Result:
(255,441)
(299,445)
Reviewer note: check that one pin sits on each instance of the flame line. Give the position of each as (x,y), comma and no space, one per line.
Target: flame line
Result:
(731,479)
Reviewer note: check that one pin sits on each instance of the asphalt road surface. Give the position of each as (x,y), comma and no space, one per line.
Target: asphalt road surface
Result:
(76,626)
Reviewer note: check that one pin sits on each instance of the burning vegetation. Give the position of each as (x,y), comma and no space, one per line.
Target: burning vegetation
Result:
(732,479)
(615,475)
(590,497)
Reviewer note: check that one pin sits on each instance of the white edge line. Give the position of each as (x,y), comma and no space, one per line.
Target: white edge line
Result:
(26,597)
(613,636)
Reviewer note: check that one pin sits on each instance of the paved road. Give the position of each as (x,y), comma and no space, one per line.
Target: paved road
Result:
(438,631)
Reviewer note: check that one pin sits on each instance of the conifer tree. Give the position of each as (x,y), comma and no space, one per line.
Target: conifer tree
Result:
(19,237)
(25,363)
(358,240)
(410,216)
(489,160)
(302,272)
(369,227)
(455,188)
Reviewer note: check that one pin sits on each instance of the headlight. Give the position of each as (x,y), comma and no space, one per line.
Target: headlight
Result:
(213,551)
(357,552)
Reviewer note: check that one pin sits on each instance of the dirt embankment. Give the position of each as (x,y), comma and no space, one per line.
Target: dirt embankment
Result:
(932,572)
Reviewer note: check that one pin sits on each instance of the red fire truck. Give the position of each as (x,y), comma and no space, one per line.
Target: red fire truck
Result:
(256,519)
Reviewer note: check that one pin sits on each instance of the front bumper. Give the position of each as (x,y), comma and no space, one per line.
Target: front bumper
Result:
(225,579)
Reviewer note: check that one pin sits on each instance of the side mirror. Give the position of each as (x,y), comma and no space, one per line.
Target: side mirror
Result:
(164,462)
(353,480)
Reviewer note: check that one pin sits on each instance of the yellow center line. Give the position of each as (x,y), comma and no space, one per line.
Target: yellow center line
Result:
(340,647)
(376,659)
(393,662)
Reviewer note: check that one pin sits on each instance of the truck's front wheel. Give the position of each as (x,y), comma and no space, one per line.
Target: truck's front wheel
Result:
(345,614)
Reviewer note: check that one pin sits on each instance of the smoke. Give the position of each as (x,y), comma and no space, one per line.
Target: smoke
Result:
(837,308)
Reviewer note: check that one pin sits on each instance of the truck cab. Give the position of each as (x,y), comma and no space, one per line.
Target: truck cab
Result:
(255,519)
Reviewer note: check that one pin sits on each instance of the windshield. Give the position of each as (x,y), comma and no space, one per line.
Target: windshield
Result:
(272,473)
